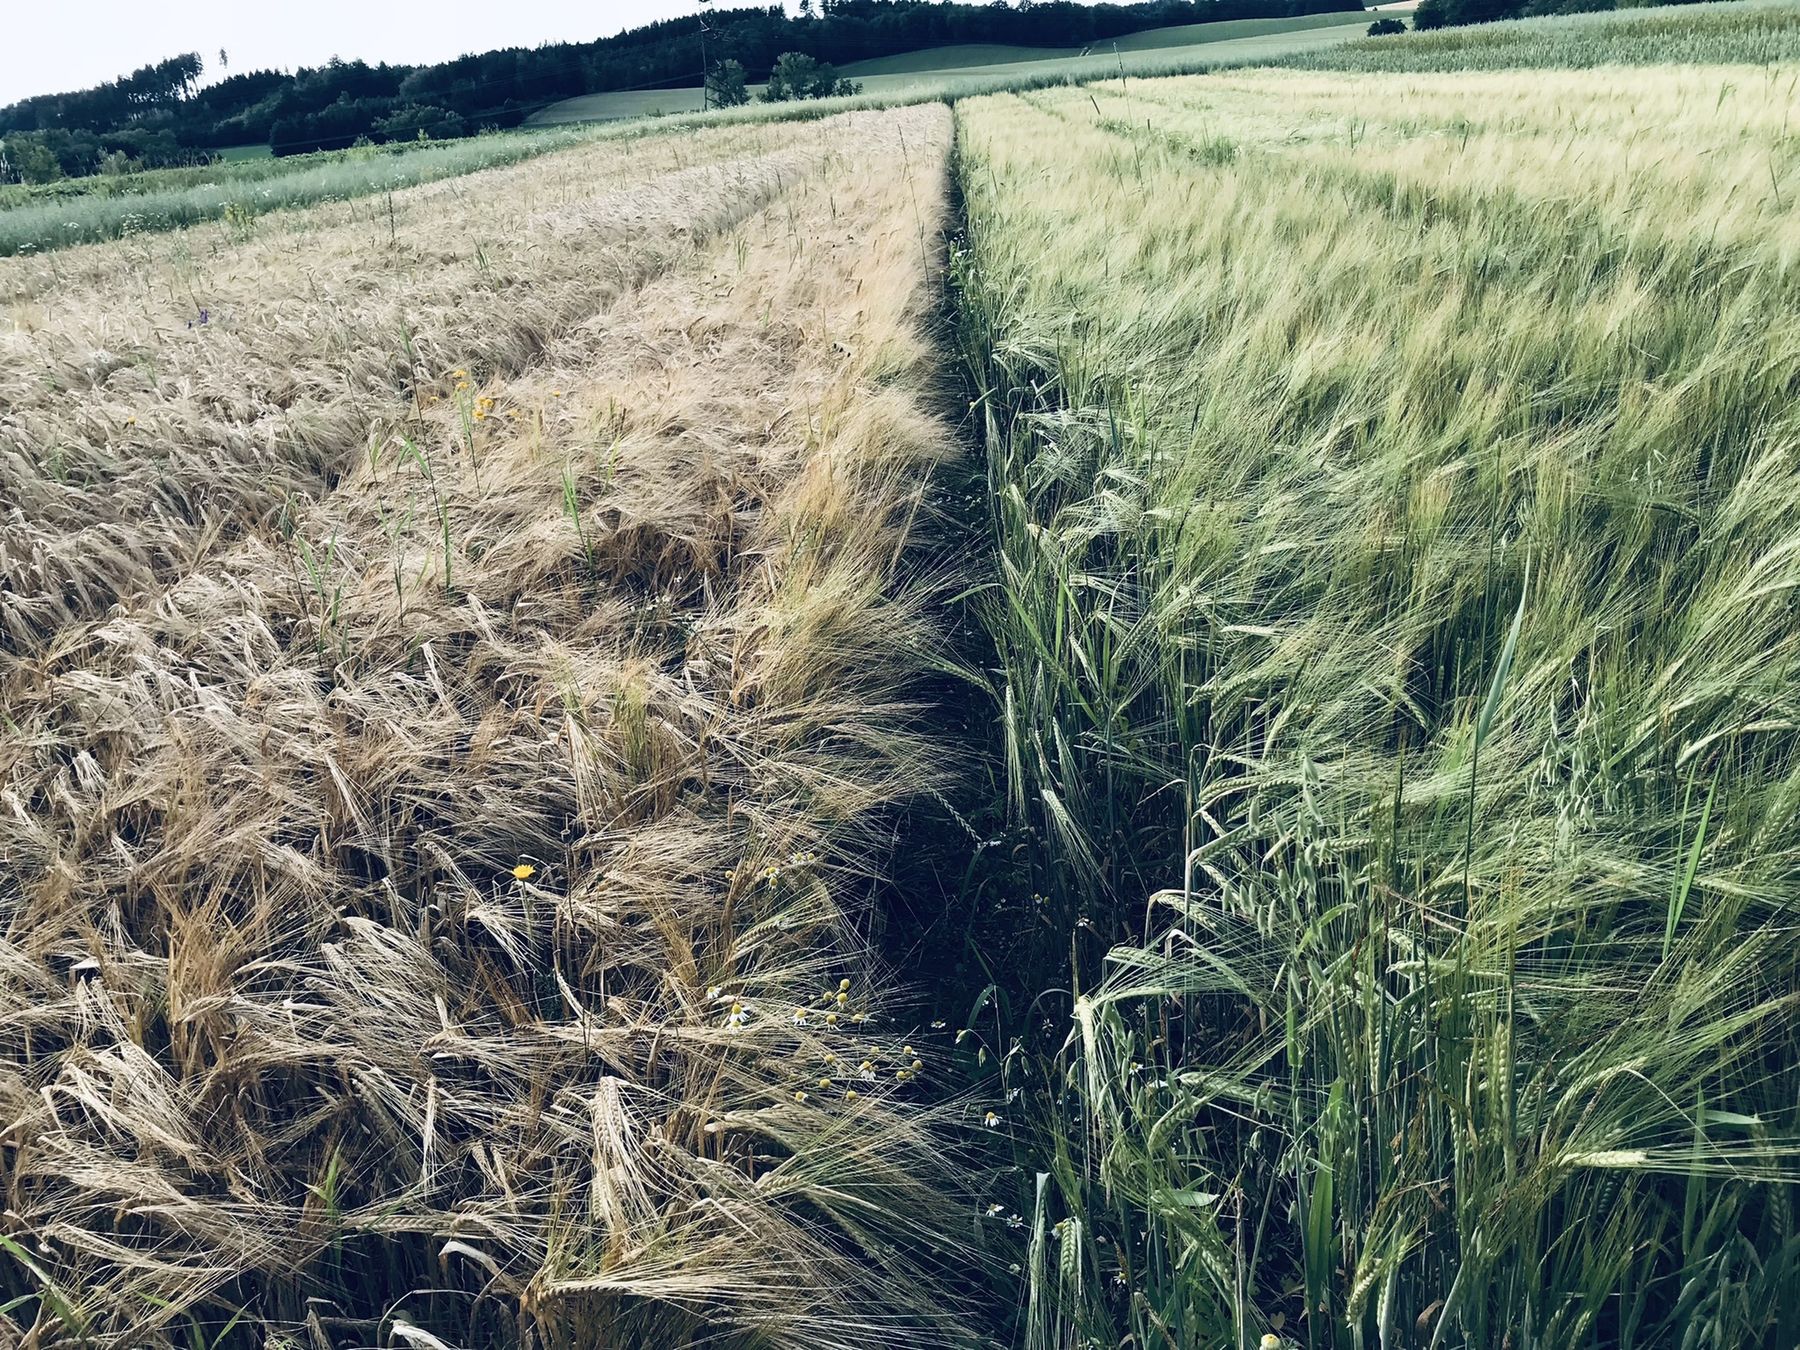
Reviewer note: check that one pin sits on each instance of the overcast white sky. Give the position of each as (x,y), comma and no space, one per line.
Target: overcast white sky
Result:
(48,46)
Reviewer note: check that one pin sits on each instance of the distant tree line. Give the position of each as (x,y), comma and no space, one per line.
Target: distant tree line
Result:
(161,114)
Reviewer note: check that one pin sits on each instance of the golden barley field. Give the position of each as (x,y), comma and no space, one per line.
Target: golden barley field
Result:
(451,692)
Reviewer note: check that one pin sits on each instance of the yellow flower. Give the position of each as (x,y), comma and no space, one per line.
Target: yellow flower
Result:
(799,1096)
(831,1019)
(850,1094)
(824,1082)
(917,1065)
(131,421)
(459,374)
(556,393)
(461,385)
(843,985)
(524,872)
(842,999)
(481,414)
(991,1119)
(1270,1342)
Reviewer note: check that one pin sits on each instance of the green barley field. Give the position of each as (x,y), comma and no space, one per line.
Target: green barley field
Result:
(1395,491)
(1094,709)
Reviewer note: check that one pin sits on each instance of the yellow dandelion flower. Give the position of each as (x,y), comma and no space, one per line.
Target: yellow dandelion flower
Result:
(459,374)
(524,872)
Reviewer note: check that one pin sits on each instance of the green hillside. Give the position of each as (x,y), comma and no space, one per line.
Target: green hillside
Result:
(958,68)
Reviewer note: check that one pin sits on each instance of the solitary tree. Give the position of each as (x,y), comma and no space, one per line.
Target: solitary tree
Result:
(32,159)
(726,86)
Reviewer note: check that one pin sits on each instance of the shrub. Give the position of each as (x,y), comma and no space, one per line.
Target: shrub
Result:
(28,160)
(417,120)
(1386,27)
(799,76)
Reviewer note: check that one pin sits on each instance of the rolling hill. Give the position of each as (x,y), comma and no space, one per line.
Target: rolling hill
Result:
(967,66)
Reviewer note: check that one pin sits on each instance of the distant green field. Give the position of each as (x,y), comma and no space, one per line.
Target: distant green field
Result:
(986,56)
(953,68)
(234,153)
(1192,34)
(83,210)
